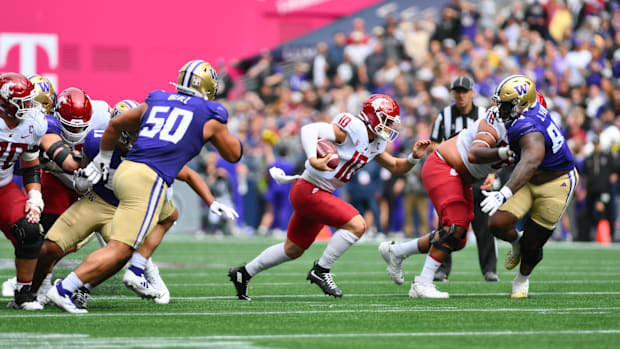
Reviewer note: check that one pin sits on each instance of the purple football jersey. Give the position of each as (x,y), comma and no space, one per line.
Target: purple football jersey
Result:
(171,131)
(558,156)
(53,125)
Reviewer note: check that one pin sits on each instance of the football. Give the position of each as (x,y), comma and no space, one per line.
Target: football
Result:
(326,148)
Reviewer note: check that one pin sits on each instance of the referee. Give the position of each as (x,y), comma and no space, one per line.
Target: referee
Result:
(450,122)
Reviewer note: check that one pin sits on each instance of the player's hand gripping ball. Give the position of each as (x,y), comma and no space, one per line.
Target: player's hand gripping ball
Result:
(326,148)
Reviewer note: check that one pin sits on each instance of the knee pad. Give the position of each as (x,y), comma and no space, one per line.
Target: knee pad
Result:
(450,236)
(28,238)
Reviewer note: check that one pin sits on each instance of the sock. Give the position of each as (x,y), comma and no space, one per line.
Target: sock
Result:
(72,282)
(430,267)
(48,279)
(516,245)
(149,266)
(337,245)
(520,278)
(19,285)
(270,257)
(138,263)
(406,249)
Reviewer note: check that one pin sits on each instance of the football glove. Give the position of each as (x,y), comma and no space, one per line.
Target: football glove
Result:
(494,200)
(219,209)
(99,168)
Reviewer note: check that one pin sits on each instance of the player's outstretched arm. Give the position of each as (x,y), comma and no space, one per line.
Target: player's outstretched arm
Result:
(128,120)
(403,165)
(229,147)
(193,179)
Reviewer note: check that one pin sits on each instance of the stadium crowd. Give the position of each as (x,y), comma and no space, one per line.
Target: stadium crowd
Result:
(571,49)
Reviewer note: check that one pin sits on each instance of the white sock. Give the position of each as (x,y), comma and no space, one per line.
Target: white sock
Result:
(270,257)
(19,285)
(406,249)
(430,267)
(138,261)
(149,265)
(520,278)
(88,286)
(48,279)
(516,245)
(72,282)
(337,245)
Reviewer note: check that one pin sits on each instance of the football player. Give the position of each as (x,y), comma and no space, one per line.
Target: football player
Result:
(541,185)
(358,139)
(21,127)
(448,174)
(172,128)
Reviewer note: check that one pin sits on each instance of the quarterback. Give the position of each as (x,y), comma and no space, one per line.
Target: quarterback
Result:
(358,140)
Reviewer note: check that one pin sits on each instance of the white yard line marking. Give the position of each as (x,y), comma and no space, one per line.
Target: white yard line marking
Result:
(572,311)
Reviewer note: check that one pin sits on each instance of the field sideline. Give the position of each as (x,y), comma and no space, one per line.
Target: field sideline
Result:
(574,303)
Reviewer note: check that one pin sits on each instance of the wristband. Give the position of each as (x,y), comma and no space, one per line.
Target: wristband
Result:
(411,159)
(506,192)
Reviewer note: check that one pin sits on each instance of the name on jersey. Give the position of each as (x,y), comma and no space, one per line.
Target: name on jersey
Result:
(182,99)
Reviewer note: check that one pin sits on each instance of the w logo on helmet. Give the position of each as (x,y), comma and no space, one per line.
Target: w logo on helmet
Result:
(45,87)
(521,89)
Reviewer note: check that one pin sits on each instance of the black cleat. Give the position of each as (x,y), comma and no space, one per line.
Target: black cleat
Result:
(241,279)
(80,297)
(324,279)
(25,299)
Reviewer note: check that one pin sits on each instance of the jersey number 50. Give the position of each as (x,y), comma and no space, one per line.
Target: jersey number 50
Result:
(164,123)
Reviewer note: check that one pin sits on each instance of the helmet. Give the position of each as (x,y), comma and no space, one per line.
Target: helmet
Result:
(17,95)
(46,95)
(381,115)
(74,111)
(514,95)
(122,106)
(541,99)
(197,78)
(127,138)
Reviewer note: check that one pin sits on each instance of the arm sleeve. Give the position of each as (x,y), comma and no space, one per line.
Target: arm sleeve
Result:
(312,132)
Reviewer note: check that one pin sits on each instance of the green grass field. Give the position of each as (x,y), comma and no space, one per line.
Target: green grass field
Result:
(574,303)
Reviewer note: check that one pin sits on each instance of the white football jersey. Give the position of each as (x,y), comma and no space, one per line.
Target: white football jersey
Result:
(14,142)
(101,115)
(354,153)
(467,136)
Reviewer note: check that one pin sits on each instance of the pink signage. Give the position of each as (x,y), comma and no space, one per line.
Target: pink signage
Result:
(124,49)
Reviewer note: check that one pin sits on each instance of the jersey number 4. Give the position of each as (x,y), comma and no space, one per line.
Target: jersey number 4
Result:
(164,123)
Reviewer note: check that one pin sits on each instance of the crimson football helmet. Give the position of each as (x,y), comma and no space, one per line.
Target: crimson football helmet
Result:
(541,99)
(381,115)
(17,95)
(74,111)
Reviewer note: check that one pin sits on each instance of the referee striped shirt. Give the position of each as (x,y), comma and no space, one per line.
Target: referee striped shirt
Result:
(451,122)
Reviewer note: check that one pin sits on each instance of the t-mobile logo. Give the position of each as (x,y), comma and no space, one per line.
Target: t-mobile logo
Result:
(28,44)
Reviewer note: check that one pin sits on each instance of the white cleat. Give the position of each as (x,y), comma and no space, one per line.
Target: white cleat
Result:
(520,289)
(513,258)
(8,287)
(151,272)
(62,299)
(426,290)
(394,263)
(140,285)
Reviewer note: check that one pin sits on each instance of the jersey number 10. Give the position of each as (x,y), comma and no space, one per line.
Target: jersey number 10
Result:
(164,123)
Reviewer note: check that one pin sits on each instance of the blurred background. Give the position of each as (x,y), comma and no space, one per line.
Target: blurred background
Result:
(285,63)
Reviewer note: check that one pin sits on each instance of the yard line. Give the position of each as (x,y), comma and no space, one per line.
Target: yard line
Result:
(570,311)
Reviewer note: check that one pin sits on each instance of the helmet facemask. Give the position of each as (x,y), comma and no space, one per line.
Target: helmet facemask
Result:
(387,128)
(25,105)
(73,132)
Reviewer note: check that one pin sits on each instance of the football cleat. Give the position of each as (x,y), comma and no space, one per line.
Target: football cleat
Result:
(324,279)
(241,279)
(394,263)
(441,276)
(151,272)
(80,297)
(140,285)
(513,258)
(520,289)
(425,290)
(60,297)
(491,276)
(25,300)
(8,287)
